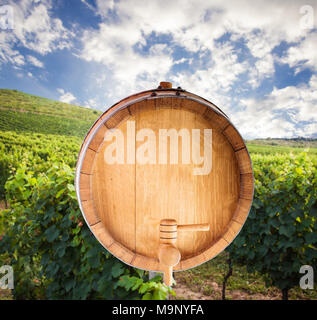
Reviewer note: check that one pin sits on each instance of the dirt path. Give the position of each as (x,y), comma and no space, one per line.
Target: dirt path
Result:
(215,293)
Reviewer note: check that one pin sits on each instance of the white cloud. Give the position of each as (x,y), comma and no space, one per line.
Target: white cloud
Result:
(182,60)
(18,59)
(303,99)
(34,29)
(218,68)
(192,25)
(35,62)
(66,97)
(286,112)
(7,53)
(90,103)
(104,6)
(113,47)
(303,55)
(195,24)
(260,45)
(216,81)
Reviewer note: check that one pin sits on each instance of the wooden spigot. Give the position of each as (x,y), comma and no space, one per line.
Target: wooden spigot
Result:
(169,256)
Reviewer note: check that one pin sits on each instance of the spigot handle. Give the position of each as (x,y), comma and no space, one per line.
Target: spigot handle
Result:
(168,276)
(169,256)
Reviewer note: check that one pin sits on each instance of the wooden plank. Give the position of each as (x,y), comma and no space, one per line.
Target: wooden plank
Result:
(246,190)
(159,193)
(177,103)
(121,252)
(88,161)
(102,234)
(242,210)
(98,138)
(165,103)
(232,231)
(194,106)
(145,263)
(142,106)
(234,138)
(90,212)
(244,161)
(219,122)
(191,262)
(218,246)
(117,118)
(216,206)
(84,187)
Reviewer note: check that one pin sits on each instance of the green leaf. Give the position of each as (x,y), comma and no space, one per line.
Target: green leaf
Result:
(61,251)
(144,287)
(159,295)
(311,238)
(71,187)
(147,296)
(117,270)
(286,230)
(157,278)
(139,272)
(93,252)
(51,233)
(103,285)
(94,261)
(59,193)
(69,284)
(137,284)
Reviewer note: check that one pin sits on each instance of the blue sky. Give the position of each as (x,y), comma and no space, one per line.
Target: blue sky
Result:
(256,60)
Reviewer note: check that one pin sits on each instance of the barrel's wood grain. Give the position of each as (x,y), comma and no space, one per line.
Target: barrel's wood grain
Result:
(124,203)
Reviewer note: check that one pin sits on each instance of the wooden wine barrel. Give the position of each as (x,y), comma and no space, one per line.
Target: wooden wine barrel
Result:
(124,202)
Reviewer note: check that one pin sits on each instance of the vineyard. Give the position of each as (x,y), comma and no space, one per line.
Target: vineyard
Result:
(54,255)
(13,100)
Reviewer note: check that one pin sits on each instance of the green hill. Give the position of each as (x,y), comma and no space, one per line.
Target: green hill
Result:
(14,100)
(22,112)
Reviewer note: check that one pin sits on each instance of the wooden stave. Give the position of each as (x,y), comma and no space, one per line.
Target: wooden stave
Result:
(238,218)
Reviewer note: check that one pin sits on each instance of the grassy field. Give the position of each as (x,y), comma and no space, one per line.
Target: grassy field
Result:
(267,149)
